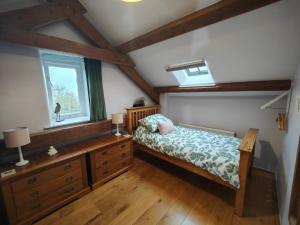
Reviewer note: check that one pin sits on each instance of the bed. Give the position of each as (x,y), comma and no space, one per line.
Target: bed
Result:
(224,159)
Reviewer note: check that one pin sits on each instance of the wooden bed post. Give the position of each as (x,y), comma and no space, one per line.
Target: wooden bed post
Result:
(129,124)
(136,113)
(247,149)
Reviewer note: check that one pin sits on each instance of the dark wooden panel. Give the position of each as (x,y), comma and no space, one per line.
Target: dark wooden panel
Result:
(58,44)
(62,136)
(271,85)
(212,14)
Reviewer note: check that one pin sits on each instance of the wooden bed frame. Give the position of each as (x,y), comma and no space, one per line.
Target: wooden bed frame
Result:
(247,149)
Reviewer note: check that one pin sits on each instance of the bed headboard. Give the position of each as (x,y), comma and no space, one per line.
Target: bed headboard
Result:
(136,113)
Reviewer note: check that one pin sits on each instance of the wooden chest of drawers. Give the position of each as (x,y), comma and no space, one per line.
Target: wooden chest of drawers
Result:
(40,191)
(47,183)
(108,162)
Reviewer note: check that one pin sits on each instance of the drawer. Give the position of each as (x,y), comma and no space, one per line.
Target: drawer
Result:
(43,190)
(104,161)
(107,152)
(111,168)
(30,182)
(53,197)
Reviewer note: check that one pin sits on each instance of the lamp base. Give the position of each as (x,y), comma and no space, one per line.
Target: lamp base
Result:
(22,163)
(118,134)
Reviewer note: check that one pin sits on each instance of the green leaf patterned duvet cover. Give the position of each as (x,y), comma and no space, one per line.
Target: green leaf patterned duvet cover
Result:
(216,153)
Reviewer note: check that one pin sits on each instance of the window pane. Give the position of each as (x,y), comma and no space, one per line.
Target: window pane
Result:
(195,76)
(64,89)
(193,70)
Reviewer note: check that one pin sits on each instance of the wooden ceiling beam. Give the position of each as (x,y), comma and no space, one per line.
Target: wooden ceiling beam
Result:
(38,16)
(212,14)
(269,85)
(42,41)
(41,15)
(90,31)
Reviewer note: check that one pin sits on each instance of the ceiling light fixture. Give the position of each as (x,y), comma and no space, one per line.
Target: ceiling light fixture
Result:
(131,1)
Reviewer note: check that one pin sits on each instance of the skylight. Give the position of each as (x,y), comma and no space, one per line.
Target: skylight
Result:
(192,74)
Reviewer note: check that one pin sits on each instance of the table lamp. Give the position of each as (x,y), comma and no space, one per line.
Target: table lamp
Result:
(15,138)
(117,119)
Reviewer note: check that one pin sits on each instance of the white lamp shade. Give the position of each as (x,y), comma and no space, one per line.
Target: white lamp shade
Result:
(117,118)
(16,137)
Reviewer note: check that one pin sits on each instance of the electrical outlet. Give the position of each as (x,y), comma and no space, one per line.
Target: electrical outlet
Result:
(298,104)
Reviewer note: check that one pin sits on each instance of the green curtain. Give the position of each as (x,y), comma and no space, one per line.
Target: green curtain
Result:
(95,89)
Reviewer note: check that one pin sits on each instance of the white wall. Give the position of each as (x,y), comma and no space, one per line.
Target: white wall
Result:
(237,113)
(288,154)
(260,45)
(22,92)
(22,95)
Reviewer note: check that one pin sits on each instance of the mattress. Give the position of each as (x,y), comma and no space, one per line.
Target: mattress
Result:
(215,153)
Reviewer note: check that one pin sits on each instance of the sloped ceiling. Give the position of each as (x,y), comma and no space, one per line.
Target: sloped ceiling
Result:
(260,45)
(120,21)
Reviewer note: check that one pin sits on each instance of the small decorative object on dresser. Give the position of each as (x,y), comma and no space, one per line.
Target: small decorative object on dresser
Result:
(15,138)
(117,119)
(52,151)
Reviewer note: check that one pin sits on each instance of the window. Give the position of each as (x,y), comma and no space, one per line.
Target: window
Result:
(66,88)
(192,74)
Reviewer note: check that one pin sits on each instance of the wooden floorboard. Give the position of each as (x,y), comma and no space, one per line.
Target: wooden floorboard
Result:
(154,192)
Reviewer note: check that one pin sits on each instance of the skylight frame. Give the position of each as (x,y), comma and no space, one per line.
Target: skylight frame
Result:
(186,78)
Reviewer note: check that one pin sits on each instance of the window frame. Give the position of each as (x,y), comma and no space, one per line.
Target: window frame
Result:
(185,78)
(49,59)
(199,72)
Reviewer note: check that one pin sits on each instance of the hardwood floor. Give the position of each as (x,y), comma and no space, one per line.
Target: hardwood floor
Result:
(155,192)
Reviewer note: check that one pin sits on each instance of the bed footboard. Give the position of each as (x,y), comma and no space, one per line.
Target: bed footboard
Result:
(247,150)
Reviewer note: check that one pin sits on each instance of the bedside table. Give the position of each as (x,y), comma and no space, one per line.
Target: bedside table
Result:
(110,160)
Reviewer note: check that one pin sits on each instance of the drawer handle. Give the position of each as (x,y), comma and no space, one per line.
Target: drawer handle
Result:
(104,152)
(105,172)
(34,194)
(123,145)
(123,155)
(67,167)
(68,190)
(36,206)
(69,179)
(31,180)
(104,163)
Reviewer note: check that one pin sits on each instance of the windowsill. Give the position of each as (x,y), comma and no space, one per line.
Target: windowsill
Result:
(68,122)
